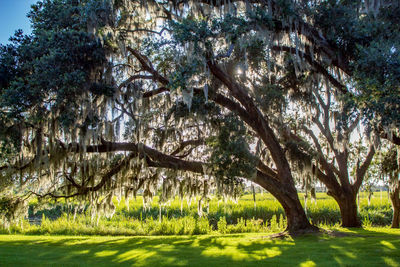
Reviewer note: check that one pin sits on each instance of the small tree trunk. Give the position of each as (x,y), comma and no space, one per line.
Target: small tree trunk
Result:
(369,198)
(313,195)
(75,212)
(200,207)
(348,210)
(305,202)
(181,206)
(396,217)
(394,197)
(160,213)
(254,196)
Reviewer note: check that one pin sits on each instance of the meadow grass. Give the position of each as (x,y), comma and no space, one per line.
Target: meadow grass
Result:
(359,247)
(180,217)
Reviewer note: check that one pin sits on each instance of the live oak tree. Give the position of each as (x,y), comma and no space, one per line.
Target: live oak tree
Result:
(390,169)
(44,79)
(367,40)
(106,97)
(325,148)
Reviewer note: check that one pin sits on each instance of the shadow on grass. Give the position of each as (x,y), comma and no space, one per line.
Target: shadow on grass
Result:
(360,248)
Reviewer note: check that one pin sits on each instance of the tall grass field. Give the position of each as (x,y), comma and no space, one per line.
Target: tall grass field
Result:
(180,217)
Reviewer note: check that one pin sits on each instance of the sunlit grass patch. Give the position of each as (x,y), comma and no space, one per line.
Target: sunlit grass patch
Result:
(360,247)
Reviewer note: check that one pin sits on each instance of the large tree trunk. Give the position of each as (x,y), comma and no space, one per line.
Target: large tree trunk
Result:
(346,197)
(348,209)
(286,194)
(395,198)
(297,221)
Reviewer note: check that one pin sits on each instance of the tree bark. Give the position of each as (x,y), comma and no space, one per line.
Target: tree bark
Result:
(395,198)
(348,209)
(345,193)
(297,221)
(286,194)
(345,196)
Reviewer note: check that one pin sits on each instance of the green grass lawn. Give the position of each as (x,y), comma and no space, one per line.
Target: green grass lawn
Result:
(361,247)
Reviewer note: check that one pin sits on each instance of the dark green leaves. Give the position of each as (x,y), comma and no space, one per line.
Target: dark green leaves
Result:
(231,156)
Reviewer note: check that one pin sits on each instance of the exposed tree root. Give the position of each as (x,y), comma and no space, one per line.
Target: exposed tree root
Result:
(317,232)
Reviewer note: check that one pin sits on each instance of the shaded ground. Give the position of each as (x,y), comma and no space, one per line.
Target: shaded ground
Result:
(368,247)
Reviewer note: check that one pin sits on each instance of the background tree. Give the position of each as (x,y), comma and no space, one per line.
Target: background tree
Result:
(327,151)
(390,168)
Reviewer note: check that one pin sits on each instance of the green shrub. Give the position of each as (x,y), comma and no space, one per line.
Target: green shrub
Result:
(202,226)
(274,226)
(282,222)
(222,225)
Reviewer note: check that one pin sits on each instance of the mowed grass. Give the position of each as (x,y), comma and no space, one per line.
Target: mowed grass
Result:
(359,247)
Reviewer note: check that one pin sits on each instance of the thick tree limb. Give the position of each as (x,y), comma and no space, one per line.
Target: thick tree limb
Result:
(258,122)
(135,77)
(147,66)
(155,92)
(154,158)
(184,144)
(361,171)
(392,137)
(329,168)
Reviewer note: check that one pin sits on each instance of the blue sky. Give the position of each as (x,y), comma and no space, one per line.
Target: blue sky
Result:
(13,17)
